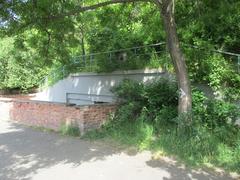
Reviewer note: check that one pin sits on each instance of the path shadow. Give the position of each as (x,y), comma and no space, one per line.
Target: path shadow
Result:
(179,172)
(23,151)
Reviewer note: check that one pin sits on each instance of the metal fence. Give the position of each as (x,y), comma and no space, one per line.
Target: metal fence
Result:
(83,98)
(234,56)
(152,56)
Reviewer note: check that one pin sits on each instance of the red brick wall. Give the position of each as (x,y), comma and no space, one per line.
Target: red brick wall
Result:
(52,115)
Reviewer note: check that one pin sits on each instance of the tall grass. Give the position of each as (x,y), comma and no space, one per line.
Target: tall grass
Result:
(146,120)
(69,130)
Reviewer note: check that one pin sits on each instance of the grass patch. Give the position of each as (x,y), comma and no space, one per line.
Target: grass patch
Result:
(43,129)
(193,150)
(69,130)
(147,119)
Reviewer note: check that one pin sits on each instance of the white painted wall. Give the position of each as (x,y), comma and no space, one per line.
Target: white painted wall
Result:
(93,83)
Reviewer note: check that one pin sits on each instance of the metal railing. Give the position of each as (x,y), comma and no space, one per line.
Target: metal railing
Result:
(138,54)
(78,98)
(235,55)
(133,56)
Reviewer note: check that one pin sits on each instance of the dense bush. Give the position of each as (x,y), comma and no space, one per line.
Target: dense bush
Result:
(212,112)
(19,69)
(156,99)
(159,101)
(217,116)
(216,70)
(147,118)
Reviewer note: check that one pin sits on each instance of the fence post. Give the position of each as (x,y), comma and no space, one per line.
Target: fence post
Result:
(91,62)
(67,102)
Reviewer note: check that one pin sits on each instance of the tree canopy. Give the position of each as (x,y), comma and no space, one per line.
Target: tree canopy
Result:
(50,33)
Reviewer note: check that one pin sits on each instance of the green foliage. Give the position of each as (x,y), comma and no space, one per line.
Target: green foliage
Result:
(134,131)
(217,71)
(148,120)
(211,26)
(157,98)
(70,130)
(40,37)
(208,21)
(198,100)
(165,117)
(216,116)
(221,113)
(129,90)
(52,39)
(203,148)
(158,93)
(222,77)
(161,93)
(18,69)
(214,113)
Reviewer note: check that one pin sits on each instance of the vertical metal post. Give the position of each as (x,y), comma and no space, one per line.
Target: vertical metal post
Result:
(67,102)
(91,62)
(166,56)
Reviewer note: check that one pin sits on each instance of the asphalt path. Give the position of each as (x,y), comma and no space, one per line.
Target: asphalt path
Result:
(30,154)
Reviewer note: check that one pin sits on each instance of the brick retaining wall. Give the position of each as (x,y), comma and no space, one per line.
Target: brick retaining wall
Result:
(52,115)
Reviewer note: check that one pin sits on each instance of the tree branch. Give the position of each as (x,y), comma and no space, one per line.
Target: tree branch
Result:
(80,9)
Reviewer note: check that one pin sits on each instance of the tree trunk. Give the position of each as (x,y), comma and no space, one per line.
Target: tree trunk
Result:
(82,43)
(185,98)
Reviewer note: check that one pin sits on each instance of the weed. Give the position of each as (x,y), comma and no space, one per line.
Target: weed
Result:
(147,120)
(69,129)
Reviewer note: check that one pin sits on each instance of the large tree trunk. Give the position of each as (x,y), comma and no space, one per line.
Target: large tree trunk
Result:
(185,98)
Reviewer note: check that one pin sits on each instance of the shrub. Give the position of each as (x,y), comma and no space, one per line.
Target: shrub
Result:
(220,113)
(159,99)
(212,112)
(165,117)
(217,116)
(161,93)
(222,78)
(69,129)
(147,118)
(129,91)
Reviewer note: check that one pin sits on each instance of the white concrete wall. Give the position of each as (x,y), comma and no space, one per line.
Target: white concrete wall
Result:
(93,83)
(5,107)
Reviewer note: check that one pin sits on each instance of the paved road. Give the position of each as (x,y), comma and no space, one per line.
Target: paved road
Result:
(30,154)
